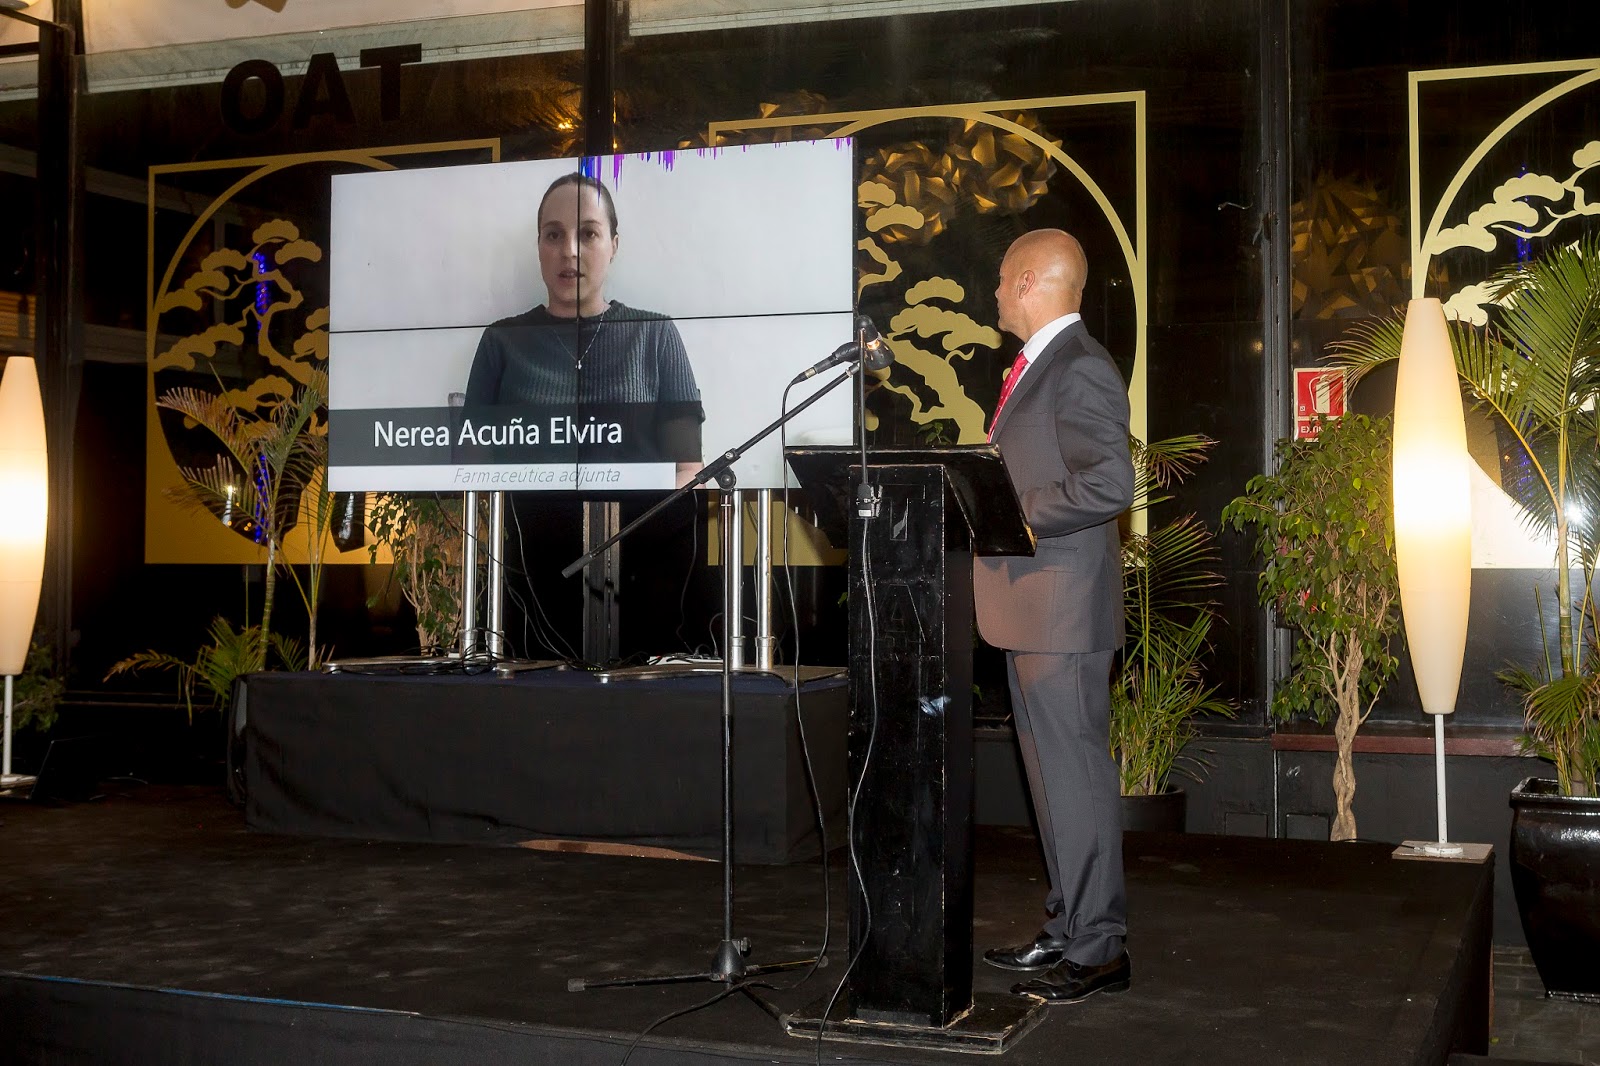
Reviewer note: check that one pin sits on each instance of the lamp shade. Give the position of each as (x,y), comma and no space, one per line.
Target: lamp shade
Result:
(1432,506)
(24,505)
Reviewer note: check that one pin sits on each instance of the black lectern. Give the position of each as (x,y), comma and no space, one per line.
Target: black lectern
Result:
(911,814)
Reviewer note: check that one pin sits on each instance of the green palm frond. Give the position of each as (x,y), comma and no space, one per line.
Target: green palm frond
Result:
(1561,719)
(212,413)
(207,489)
(1153,713)
(1551,307)
(1163,464)
(229,656)
(146,660)
(1159,688)
(1366,346)
(1174,562)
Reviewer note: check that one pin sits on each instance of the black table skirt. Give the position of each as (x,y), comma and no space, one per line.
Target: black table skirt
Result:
(552,754)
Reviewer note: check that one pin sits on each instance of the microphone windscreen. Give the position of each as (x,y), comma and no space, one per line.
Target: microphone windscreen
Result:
(875,353)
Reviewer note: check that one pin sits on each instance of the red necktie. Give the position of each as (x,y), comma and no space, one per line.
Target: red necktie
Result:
(1017,367)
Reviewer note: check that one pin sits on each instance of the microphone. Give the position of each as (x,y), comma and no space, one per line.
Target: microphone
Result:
(869,347)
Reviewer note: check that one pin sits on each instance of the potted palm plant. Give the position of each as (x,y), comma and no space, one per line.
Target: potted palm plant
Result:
(270,461)
(1324,534)
(1534,371)
(1159,688)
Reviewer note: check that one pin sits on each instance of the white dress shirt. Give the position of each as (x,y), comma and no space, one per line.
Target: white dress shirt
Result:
(1045,334)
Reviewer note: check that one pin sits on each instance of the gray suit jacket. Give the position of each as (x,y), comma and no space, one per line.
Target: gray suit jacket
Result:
(1064,436)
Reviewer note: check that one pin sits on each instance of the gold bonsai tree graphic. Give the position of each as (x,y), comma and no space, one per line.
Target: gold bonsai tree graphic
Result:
(931,314)
(248,292)
(1523,208)
(261,461)
(909,194)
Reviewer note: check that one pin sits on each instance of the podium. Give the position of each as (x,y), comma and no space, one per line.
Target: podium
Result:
(911,633)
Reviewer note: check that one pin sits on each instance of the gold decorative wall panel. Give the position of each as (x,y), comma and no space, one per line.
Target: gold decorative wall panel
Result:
(1000,160)
(1513,152)
(239,321)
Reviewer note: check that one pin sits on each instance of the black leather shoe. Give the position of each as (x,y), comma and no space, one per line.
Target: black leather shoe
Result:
(1043,953)
(1072,983)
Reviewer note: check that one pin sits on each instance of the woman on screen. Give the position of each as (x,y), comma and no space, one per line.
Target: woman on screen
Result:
(583,349)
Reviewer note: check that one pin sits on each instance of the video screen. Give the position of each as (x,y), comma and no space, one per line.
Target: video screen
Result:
(597,324)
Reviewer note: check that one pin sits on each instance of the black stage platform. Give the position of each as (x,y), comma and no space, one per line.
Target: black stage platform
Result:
(548,754)
(151,927)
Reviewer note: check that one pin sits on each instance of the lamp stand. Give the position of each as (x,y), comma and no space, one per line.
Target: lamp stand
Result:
(1442,848)
(1433,537)
(1445,847)
(7,778)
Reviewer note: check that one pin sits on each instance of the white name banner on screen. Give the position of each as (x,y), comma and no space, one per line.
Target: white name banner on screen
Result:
(595,324)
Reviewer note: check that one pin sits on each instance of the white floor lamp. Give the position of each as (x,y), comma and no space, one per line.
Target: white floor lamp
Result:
(24,506)
(1433,533)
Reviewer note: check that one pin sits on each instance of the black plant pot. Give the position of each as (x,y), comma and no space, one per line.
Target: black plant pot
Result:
(1555,870)
(1165,812)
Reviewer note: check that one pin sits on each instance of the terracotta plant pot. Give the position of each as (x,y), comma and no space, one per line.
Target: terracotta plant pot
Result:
(1166,812)
(1555,870)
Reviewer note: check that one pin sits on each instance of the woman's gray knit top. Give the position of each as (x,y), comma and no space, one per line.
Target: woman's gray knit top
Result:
(623,355)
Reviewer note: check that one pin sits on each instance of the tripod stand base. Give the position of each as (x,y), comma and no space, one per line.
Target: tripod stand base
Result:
(729,966)
(989,1027)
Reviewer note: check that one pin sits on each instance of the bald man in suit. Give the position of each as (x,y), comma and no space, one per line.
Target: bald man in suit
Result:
(1062,427)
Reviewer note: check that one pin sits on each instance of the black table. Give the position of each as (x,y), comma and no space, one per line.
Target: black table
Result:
(551,754)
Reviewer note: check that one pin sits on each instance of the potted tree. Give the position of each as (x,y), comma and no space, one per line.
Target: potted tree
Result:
(1159,687)
(424,536)
(1324,534)
(1534,370)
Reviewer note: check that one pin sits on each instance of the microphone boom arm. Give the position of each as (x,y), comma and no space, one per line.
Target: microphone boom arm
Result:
(718,469)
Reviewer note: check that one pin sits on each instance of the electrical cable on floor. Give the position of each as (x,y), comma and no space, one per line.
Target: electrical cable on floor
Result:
(688,577)
(866,764)
(799,715)
(730,989)
(543,636)
(545,631)
(549,636)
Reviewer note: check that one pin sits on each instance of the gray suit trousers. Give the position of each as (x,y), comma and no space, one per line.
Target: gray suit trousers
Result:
(1061,704)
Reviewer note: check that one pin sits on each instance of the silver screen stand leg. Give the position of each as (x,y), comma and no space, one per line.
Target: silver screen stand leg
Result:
(469,575)
(766,650)
(497,576)
(601,520)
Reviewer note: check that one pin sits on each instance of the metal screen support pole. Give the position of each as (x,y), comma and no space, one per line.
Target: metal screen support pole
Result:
(735,599)
(497,576)
(469,574)
(766,643)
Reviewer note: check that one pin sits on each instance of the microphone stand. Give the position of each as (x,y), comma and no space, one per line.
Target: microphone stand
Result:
(729,965)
